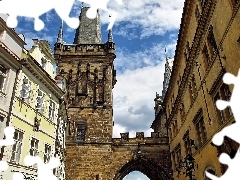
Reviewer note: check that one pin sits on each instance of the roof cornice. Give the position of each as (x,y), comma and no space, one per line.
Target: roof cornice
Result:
(34,67)
(12,32)
(197,43)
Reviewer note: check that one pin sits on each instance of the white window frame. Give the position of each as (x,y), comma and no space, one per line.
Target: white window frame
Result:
(34,148)
(16,154)
(47,153)
(51,110)
(3,75)
(40,101)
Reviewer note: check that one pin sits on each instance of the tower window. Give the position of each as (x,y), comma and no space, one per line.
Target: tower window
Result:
(80,132)
(26,89)
(201,131)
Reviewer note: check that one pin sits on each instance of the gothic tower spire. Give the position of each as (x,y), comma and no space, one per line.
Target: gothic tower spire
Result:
(60,34)
(110,35)
(167,74)
(89,30)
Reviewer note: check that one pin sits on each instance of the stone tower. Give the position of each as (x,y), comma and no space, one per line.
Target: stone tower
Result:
(85,71)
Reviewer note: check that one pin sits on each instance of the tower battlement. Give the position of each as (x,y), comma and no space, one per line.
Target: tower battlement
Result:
(84,49)
(155,138)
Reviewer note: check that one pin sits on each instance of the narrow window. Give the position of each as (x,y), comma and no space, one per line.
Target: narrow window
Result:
(187,144)
(40,101)
(16,148)
(97,177)
(226,95)
(47,153)
(51,113)
(211,41)
(34,147)
(26,89)
(201,131)
(220,114)
(80,132)
(3,75)
(206,56)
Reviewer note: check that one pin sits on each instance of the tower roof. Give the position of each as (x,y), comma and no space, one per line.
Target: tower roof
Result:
(89,30)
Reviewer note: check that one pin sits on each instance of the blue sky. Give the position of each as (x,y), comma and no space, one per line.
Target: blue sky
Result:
(141,32)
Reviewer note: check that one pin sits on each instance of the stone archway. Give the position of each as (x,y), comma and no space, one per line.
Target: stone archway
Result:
(148,167)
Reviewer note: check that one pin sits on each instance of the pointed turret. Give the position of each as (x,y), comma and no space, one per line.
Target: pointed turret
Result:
(110,35)
(89,30)
(60,34)
(167,74)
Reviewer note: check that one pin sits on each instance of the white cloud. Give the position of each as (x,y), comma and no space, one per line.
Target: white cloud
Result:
(29,35)
(139,76)
(154,17)
(133,99)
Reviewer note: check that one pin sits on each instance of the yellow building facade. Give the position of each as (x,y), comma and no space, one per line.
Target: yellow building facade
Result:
(34,111)
(208,46)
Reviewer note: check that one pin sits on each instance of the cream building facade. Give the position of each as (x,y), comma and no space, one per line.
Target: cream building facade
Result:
(11,45)
(35,111)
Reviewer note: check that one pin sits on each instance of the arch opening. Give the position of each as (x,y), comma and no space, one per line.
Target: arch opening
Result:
(146,166)
(136,175)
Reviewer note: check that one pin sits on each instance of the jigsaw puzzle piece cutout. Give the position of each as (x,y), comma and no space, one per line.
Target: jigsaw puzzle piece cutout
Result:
(38,8)
(94,5)
(224,159)
(63,9)
(232,131)
(9,133)
(44,170)
(18,176)
(3,165)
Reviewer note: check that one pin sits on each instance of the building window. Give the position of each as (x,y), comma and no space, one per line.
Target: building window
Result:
(97,177)
(220,115)
(3,75)
(182,112)
(34,147)
(80,132)
(51,113)
(211,41)
(187,143)
(201,131)
(206,56)
(178,155)
(16,148)
(26,89)
(40,101)
(47,153)
(224,94)
(1,123)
